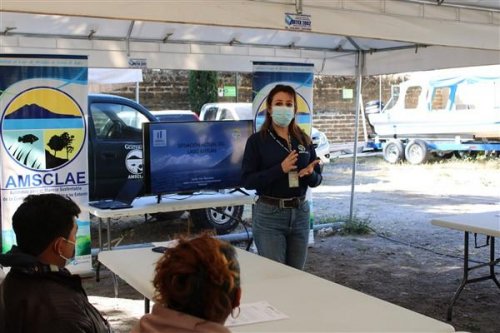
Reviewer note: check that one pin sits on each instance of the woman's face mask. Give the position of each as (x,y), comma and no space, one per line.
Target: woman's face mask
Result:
(282,115)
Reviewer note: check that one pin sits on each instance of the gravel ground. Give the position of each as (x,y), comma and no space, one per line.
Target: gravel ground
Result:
(404,260)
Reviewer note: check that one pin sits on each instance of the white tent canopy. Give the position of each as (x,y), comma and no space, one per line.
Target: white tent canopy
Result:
(346,37)
(114,75)
(227,35)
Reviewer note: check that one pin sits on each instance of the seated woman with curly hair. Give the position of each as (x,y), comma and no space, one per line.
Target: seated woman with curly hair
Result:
(197,286)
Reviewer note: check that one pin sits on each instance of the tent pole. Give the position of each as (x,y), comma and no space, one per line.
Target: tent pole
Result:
(236,85)
(360,59)
(137,92)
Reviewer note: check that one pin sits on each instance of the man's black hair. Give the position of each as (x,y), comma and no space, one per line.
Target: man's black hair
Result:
(42,218)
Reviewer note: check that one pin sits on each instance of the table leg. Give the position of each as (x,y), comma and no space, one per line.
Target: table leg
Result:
(108,221)
(465,277)
(493,262)
(98,267)
(99,235)
(115,283)
(101,247)
(146,305)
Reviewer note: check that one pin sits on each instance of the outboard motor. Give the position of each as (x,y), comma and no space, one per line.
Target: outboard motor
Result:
(374,106)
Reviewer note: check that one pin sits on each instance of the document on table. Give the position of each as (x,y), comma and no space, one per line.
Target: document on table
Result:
(252,313)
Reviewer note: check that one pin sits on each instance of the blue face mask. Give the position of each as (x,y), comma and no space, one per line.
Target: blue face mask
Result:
(282,115)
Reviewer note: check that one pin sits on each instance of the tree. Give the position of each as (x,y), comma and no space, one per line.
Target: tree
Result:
(68,140)
(202,89)
(60,142)
(56,143)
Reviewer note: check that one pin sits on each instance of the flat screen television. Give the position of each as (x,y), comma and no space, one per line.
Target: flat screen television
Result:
(186,157)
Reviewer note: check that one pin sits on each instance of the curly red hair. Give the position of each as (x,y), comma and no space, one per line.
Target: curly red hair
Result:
(200,277)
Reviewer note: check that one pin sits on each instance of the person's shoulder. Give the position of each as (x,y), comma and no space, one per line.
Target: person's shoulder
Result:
(258,136)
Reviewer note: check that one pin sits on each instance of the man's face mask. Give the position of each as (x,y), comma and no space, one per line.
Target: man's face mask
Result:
(69,260)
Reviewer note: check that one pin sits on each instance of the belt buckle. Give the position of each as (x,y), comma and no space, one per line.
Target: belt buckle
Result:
(281,203)
(289,203)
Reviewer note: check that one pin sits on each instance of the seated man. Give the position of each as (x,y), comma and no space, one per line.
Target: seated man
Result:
(39,294)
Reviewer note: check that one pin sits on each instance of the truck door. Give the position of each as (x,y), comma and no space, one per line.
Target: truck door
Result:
(116,139)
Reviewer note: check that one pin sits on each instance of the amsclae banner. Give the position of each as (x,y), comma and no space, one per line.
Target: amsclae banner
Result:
(43,107)
(266,75)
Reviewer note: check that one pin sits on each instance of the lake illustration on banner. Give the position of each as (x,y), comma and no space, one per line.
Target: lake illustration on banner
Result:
(43,129)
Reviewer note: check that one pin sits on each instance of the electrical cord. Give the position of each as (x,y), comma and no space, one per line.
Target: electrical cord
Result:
(422,247)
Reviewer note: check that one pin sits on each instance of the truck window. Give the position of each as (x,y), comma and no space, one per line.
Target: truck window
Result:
(225,114)
(116,121)
(211,113)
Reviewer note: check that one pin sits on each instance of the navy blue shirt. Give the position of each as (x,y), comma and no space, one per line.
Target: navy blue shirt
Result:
(261,168)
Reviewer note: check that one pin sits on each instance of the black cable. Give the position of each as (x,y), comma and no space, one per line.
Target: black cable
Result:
(422,247)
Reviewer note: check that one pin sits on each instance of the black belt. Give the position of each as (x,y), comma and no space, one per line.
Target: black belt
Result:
(294,202)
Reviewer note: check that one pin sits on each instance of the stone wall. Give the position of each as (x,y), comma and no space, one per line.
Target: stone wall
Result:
(334,112)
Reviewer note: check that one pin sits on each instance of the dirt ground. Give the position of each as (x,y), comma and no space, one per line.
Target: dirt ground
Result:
(404,260)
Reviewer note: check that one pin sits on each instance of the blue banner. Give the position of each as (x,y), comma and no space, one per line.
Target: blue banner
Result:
(299,76)
(43,109)
(266,75)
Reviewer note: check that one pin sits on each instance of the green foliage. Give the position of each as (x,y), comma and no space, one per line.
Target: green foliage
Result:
(202,89)
(356,226)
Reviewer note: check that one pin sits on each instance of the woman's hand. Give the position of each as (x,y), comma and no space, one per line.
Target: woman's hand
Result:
(290,162)
(308,169)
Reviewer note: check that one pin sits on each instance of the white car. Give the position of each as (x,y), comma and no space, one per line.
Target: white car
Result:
(243,111)
(175,115)
(226,111)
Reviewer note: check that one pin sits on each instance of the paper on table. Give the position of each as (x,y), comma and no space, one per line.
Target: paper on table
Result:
(252,313)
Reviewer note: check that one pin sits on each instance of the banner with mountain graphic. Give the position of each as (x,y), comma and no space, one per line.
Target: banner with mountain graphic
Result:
(43,106)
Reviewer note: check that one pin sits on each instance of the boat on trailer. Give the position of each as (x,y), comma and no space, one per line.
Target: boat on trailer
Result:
(464,106)
(439,115)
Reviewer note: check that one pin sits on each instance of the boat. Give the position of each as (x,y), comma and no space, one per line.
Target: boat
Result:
(459,107)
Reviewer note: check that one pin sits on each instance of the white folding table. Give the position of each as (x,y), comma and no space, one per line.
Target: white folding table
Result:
(312,304)
(486,223)
(170,203)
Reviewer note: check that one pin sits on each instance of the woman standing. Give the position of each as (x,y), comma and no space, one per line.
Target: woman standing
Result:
(280,163)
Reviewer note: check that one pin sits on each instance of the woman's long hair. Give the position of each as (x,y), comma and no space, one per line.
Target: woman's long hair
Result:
(200,277)
(293,128)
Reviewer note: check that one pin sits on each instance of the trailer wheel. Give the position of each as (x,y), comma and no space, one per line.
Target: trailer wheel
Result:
(416,152)
(393,151)
(218,218)
(462,154)
(443,155)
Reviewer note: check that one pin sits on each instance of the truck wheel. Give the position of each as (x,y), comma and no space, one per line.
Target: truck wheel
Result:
(218,218)
(393,151)
(416,152)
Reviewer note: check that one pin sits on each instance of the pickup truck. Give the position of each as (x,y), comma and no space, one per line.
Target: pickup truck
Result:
(115,155)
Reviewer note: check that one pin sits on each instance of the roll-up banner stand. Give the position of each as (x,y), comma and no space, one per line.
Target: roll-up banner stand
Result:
(43,109)
(266,75)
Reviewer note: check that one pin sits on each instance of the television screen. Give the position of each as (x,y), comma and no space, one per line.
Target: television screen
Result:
(184,157)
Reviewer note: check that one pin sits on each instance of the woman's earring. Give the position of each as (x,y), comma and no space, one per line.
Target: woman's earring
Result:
(234,316)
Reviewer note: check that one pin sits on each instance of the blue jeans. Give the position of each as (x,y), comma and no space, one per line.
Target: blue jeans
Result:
(281,234)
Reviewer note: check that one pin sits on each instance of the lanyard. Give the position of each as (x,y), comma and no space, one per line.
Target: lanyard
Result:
(289,149)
